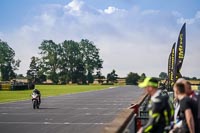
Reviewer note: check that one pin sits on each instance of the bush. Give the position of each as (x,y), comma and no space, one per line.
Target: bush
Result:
(20,87)
(132,79)
(107,84)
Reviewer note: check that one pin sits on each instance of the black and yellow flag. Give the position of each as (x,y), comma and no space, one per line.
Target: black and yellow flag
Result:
(180,52)
(171,66)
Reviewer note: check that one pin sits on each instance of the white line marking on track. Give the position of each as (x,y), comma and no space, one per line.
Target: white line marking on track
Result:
(4,113)
(11,107)
(52,123)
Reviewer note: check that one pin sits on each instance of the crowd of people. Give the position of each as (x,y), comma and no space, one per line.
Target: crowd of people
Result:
(165,116)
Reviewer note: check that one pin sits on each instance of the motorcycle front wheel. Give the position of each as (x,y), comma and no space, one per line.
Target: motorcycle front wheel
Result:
(34,104)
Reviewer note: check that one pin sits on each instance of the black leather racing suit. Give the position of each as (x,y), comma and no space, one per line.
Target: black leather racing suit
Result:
(161,112)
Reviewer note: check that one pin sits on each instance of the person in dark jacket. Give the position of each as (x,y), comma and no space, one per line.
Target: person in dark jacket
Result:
(161,110)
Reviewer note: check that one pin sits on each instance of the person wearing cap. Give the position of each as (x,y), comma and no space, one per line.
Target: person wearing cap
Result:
(160,108)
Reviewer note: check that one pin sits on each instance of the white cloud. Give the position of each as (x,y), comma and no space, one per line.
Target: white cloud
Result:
(197,16)
(176,13)
(183,20)
(27,29)
(74,7)
(129,40)
(150,12)
(1,35)
(111,10)
(47,19)
(195,19)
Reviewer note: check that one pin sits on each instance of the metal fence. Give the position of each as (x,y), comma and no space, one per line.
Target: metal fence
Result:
(140,118)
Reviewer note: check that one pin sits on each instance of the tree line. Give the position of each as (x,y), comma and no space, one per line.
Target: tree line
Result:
(66,62)
(69,61)
(63,62)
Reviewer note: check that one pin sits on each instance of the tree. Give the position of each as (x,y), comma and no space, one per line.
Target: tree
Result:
(142,77)
(7,72)
(163,75)
(20,76)
(35,73)
(187,78)
(50,53)
(71,61)
(132,78)
(194,78)
(33,70)
(100,77)
(90,57)
(80,60)
(90,77)
(112,77)
(7,62)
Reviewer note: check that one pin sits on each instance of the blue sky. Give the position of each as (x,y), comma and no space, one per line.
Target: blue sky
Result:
(132,35)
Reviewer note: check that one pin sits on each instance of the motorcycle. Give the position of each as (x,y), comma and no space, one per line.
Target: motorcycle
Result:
(35,100)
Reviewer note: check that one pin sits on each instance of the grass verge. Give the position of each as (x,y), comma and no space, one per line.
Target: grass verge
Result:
(48,90)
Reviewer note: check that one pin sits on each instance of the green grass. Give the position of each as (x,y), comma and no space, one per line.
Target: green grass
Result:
(48,90)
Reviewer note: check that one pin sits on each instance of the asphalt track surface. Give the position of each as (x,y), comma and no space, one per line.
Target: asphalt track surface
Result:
(87,112)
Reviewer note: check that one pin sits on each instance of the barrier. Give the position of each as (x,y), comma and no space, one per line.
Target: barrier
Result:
(195,87)
(129,121)
(126,122)
(19,87)
(142,113)
(120,123)
(5,86)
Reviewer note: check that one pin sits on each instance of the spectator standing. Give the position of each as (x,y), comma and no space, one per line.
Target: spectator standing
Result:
(160,108)
(188,111)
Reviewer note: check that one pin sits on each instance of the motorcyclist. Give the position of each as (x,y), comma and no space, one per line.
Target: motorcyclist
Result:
(39,94)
